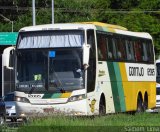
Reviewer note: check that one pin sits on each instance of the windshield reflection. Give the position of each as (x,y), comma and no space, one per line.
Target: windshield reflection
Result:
(66,70)
(49,70)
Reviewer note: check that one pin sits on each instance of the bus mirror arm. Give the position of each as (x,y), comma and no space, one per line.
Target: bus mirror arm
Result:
(86,51)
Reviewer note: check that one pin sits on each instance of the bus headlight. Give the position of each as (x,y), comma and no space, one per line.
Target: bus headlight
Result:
(76,98)
(21,99)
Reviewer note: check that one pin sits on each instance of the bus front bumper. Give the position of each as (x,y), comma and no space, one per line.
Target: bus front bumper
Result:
(69,108)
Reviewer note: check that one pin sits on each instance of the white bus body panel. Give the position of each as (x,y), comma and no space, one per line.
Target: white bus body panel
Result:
(105,85)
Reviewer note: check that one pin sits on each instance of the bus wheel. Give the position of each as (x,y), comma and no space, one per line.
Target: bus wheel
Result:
(145,103)
(139,105)
(102,106)
(145,106)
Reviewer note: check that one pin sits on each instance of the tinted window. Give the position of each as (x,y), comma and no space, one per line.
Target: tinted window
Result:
(149,48)
(102,47)
(121,49)
(145,57)
(114,47)
(129,50)
(138,51)
(91,71)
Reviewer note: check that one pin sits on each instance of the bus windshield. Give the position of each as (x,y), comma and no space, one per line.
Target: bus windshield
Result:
(158,73)
(49,70)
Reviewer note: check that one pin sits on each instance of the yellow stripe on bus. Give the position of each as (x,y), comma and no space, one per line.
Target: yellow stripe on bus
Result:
(125,84)
(65,95)
(132,88)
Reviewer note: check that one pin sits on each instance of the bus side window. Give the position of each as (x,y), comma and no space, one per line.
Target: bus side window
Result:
(150,55)
(121,52)
(102,49)
(129,50)
(111,48)
(108,53)
(145,57)
(138,50)
(114,52)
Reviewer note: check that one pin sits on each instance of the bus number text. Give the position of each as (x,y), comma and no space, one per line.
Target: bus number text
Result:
(150,72)
(136,71)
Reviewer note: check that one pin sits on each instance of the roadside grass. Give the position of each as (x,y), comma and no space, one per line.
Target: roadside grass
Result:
(111,122)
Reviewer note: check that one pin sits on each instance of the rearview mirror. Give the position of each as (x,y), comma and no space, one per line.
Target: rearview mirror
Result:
(86,51)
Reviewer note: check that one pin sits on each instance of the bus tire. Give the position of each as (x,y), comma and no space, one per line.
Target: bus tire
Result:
(139,105)
(102,105)
(145,103)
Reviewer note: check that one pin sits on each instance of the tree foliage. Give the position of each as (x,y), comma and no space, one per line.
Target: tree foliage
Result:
(136,15)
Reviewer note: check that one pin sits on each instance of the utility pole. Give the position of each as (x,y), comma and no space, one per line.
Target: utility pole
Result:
(12,25)
(52,11)
(33,13)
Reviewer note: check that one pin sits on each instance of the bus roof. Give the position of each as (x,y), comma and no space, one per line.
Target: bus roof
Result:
(87,25)
(59,26)
(106,25)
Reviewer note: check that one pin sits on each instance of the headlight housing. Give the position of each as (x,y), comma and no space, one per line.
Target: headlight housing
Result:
(76,98)
(21,99)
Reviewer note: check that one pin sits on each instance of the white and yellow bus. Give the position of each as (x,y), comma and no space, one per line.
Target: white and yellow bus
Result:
(83,69)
